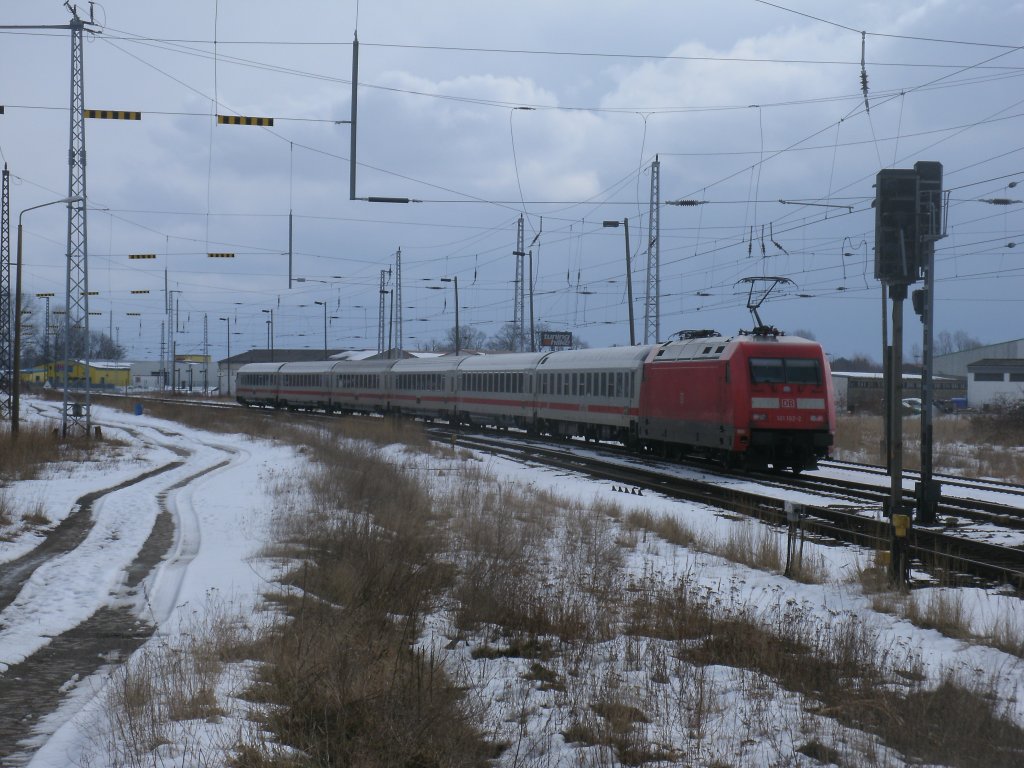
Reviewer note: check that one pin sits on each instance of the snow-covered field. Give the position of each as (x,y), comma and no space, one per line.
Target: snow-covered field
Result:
(223,517)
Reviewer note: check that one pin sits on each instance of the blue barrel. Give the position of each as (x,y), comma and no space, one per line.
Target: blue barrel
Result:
(138,409)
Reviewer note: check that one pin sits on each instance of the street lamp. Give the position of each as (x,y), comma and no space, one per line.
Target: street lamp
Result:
(270,331)
(455,281)
(16,384)
(324,305)
(228,321)
(629,277)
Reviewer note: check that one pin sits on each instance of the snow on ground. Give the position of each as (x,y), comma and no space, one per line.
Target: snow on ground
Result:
(222,525)
(223,518)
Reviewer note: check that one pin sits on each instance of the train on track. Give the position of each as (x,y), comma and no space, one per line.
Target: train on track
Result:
(756,399)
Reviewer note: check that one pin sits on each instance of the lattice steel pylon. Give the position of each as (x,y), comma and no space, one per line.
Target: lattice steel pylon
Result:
(396,300)
(519,314)
(76,317)
(652,307)
(6,359)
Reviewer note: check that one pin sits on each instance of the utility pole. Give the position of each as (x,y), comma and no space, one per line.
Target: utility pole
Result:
(535,241)
(206,356)
(533,336)
(518,315)
(652,305)
(228,321)
(290,230)
(458,332)
(46,328)
(629,277)
(163,355)
(380,315)
(324,305)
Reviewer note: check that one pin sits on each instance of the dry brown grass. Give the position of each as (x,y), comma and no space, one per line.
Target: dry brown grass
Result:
(343,681)
(941,610)
(36,446)
(166,685)
(975,446)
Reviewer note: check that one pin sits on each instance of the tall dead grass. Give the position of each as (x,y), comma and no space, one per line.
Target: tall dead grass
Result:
(163,694)
(36,446)
(973,446)
(340,675)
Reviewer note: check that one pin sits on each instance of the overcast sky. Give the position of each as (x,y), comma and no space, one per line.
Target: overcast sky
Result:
(745,103)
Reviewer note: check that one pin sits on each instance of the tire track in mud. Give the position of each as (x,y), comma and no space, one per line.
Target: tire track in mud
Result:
(35,687)
(71,532)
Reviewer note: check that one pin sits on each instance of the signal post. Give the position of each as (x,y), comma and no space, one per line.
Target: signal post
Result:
(908,221)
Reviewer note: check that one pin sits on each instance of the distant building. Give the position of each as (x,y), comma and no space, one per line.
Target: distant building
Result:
(994,380)
(955,363)
(103,374)
(866,391)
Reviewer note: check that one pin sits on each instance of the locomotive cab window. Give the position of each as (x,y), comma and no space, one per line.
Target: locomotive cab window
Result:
(777,370)
(767,370)
(803,371)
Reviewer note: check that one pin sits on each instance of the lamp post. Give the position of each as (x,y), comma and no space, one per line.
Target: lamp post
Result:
(228,321)
(455,281)
(324,305)
(270,331)
(629,277)
(16,384)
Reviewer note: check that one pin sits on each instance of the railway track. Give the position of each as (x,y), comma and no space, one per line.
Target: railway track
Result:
(844,511)
(960,495)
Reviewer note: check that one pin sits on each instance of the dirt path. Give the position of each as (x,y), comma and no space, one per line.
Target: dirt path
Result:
(35,687)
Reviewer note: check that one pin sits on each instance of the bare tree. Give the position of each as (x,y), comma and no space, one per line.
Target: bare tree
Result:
(469,338)
(947,343)
(508,339)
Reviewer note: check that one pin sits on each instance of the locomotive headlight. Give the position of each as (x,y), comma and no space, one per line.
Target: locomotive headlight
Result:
(817,419)
(759,417)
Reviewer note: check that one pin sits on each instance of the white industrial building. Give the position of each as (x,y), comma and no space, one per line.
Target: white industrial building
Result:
(993,381)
